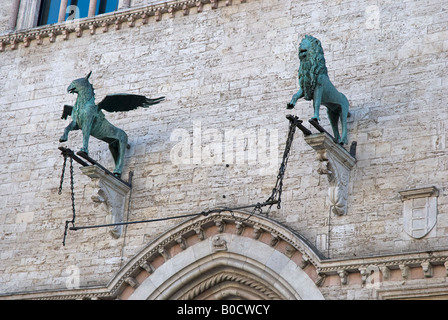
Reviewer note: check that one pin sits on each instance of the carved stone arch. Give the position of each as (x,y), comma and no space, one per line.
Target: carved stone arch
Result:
(223,257)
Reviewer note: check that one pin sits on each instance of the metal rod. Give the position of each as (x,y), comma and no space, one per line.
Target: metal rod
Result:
(298,123)
(93,161)
(316,125)
(70,153)
(204,213)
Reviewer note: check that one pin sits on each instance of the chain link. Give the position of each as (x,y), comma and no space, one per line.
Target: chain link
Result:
(277,190)
(72,187)
(72,193)
(62,174)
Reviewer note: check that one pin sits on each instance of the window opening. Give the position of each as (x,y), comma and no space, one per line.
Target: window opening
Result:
(49,12)
(76,9)
(104,6)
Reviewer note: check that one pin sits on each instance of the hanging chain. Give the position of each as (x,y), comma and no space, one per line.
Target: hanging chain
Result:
(277,190)
(62,174)
(72,187)
(72,191)
(276,195)
(274,198)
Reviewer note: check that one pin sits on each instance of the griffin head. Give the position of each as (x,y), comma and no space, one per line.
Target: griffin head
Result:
(79,84)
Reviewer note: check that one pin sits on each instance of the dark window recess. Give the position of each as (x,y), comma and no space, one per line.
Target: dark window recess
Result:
(49,12)
(104,6)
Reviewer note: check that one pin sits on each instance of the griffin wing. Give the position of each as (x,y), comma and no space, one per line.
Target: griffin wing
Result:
(126,102)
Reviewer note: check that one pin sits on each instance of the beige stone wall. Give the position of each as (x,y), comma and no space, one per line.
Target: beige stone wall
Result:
(5,14)
(223,69)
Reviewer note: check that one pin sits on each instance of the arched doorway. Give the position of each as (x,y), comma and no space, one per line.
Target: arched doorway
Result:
(222,257)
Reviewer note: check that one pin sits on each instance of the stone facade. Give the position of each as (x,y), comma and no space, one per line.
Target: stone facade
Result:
(227,69)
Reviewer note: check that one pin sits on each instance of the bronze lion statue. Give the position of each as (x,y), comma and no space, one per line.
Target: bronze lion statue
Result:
(315,85)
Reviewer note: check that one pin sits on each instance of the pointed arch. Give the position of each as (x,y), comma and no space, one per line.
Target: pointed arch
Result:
(223,256)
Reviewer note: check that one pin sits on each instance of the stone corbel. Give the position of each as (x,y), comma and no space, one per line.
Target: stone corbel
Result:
(185,10)
(336,163)
(427,269)
(112,192)
(199,5)
(343,275)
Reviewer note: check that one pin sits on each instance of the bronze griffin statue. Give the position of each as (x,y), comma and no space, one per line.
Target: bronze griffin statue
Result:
(87,116)
(315,85)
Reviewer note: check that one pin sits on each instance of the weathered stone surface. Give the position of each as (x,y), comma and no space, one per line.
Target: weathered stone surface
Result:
(234,67)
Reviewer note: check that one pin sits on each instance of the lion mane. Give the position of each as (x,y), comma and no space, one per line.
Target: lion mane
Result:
(311,66)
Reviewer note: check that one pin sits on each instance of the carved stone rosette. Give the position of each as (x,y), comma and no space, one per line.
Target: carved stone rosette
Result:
(110,191)
(336,163)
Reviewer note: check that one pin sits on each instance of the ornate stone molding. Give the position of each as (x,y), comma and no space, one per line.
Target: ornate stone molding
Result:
(336,163)
(217,279)
(311,261)
(110,191)
(106,22)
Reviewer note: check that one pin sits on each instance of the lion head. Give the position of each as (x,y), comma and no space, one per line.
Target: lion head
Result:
(312,64)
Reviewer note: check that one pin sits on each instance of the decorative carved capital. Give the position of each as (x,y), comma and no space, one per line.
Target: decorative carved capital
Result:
(220,224)
(305,261)
(132,282)
(385,271)
(200,232)
(164,253)
(336,163)
(239,227)
(290,250)
(343,275)
(148,267)
(320,279)
(427,269)
(257,232)
(185,10)
(200,6)
(404,271)
(182,242)
(111,191)
(158,15)
(274,240)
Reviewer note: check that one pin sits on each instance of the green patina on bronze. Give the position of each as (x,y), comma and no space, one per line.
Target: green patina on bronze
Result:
(87,116)
(315,85)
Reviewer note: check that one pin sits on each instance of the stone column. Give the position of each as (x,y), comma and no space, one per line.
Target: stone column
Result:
(92,8)
(62,10)
(14,12)
(28,14)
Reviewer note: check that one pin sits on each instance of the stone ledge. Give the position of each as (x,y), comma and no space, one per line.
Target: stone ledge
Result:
(114,19)
(423,192)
